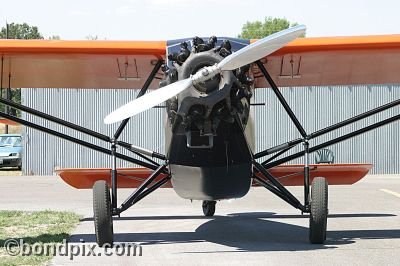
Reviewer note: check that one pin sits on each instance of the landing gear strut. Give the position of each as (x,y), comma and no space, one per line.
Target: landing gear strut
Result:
(209,207)
(317,203)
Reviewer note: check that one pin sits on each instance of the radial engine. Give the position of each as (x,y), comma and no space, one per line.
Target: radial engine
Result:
(199,111)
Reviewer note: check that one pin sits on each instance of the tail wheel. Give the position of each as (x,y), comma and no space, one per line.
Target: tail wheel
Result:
(319,210)
(209,207)
(103,223)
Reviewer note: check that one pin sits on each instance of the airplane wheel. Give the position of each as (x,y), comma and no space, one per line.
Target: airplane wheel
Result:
(209,207)
(103,223)
(319,210)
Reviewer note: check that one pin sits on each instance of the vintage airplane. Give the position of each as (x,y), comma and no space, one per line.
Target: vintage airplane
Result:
(207,85)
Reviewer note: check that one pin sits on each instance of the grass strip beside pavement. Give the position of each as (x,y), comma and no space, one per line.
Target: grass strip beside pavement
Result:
(45,227)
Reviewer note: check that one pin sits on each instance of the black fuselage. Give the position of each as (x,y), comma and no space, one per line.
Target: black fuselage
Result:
(221,172)
(208,126)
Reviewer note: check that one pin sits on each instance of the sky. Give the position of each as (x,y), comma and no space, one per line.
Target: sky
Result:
(174,19)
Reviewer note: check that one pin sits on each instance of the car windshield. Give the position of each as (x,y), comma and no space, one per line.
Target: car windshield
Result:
(14,141)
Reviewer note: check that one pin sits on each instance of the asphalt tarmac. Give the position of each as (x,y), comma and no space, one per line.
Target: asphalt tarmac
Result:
(259,229)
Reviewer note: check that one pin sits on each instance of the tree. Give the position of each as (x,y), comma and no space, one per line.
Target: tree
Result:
(258,29)
(92,37)
(55,37)
(17,31)
(20,31)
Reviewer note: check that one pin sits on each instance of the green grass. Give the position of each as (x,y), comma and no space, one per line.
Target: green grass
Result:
(34,227)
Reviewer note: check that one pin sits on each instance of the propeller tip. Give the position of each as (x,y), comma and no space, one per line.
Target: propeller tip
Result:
(108,120)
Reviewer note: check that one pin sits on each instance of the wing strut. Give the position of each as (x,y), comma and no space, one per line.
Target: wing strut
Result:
(147,187)
(262,169)
(115,142)
(282,100)
(144,89)
(316,202)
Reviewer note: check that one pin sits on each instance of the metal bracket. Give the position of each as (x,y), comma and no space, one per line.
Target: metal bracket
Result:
(189,143)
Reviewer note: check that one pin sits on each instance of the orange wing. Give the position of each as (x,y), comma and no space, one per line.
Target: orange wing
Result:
(126,64)
(288,175)
(8,122)
(79,64)
(334,61)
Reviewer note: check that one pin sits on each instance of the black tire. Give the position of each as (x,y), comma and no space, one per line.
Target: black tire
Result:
(209,207)
(102,217)
(319,210)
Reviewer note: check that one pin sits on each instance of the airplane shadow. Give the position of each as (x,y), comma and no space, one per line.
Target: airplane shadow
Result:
(249,232)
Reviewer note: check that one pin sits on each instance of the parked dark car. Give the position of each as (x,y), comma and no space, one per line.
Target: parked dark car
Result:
(11,150)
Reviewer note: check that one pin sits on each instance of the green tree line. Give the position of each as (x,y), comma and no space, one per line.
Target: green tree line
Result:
(260,29)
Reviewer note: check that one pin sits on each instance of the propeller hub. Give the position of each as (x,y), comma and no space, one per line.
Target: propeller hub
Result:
(207,79)
(202,69)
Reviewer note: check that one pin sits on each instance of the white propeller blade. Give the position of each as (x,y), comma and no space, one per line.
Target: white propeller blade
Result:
(261,48)
(244,56)
(147,101)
